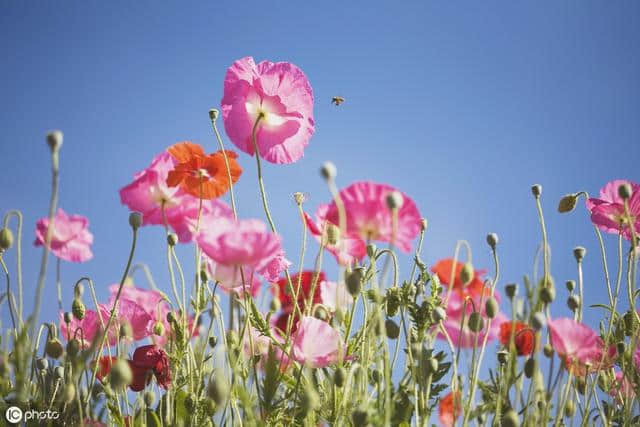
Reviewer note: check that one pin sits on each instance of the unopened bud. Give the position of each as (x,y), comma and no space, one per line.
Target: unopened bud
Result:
(68,317)
(503,356)
(158,329)
(466,273)
(353,281)
(135,220)
(309,400)
(569,408)
(510,419)
(171,318)
(439,314)
(624,191)
(320,312)
(538,321)
(359,417)
(432,365)
(213,114)
(568,203)
(570,284)
(579,252)
(275,304)
(77,308)
(492,240)
(53,348)
(172,239)
(394,200)
(529,367)
(620,347)
(371,250)
(6,239)
(476,322)
(339,377)
(328,171)
(42,364)
(58,372)
(511,290)
(573,302)
(423,224)
(547,294)
(213,341)
(393,330)
(73,347)
(149,398)
(491,307)
(120,375)
(536,190)
(69,393)
(548,351)
(125,330)
(333,234)
(218,390)
(54,140)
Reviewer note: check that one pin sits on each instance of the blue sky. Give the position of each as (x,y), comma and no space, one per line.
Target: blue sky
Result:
(462,106)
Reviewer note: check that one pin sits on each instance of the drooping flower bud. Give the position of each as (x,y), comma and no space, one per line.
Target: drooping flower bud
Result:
(125,330)
(69,393)
(503,356)
(568,203)
(547,294)
(359,417)
(569,408)
(135,220)
(529,367)
(54,348)
(432,366)
(58,372)
(120,375)
(492,240)
(371,250)
(466,273)
(309,400)
(218,390)
(172,239)
(354,281)
(320,312)
(42,364)
(68,317)
(328,171)
(149,398)
(423,224)
(392,328)
(476,322)
(510,419)
(158,329)
(213,341)
(548,351)
(491,307)
(73,347)
(275,304)
(439,314)
(6,239)
(78,309)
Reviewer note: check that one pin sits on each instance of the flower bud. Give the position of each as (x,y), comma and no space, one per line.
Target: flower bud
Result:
(6,239)
(69,393)
(536,190)
(42,364)
(320,312)
(547,294)
(510,419)
(432,365)
(568,203)
(570,284)
(466,273)
(217,390)
(511,290)
(393,330)
(624,191)
(54,140)
(158,329)
(328,171)
(190,403)
(503,356)
(125,330)
(579,252)
(73,347)
(120,375)
(339,377)
(275,304)
(172,239)
(491,307)
(333,234)
(492,240)
(210,407)
(394,299)
(569,408)
(232,339)
(68,317)
(77,308)
(581,385)
(171,318)
(620,347)
(371,250)
(149,398)
(423,224)
(439,314)
(58,372)
(476,322)
(394,200)
(53,348)
(353,281)
(359,417)
(529,367)
(309,400)
(538,321)
(213,114)
(213,341)
(548,351)
(573,302)
(135,220)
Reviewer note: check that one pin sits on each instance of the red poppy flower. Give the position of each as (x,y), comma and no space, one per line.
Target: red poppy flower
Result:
(442,269)
(283,292)
(148,361)
(104,366)
(524,337)
(450,408)
(201,175)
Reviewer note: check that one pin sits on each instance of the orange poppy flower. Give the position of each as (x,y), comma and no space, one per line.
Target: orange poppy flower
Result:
(524,337)
(450,408)
(201,175)
(442,269)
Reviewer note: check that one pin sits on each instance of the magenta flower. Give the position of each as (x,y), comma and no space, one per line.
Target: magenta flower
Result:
(70,240)
(369,217)
(348,248)
(282,95)
(83,330)
(243,243)
(316,343)
(607,212)
(580,348)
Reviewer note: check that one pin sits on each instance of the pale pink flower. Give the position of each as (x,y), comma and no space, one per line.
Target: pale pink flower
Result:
(185,220)
(369,217)
(622,388)
(607,212)
(230,278)
(636,359)
(277,265)
(580,348)
(281,93)
(70,240)
(334,295)
(242,243)
(316,343)
(347,249)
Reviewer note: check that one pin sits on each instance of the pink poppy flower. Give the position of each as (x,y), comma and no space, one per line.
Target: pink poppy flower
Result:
(316,343)
(229,278)
(636,359)
(607,212)
(83,330)
(242,243)
(348,248)
(334,295)
(70,240)
(281,93)
(580,348)
(622,388)
(277,265)
(369,217)
(185,221)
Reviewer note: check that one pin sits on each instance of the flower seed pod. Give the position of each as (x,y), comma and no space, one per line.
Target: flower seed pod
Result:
(547,294)
(6,239)
(42,364)
(77,308)
(339,377)
(158,329)
(68,317)
(581,385)
(568,203)
(135,220)
(328,171)
(625,191)
(466,273)
(213,114)
(573,302)
(536,190)
(73,347)
(538,321)
(511,290)
(394,200)
(213,341)
(171,318)
(353,281)
(548,351)
(569,408)
(570,284)
(333,234)
(510,419)
(579,252)
(54,348)
(393,330)
(529,367)
(217,390)
(69,393)
(58,372)
(371,250)
(149,398)
(439,314)
(359,417)
(476,322)
(492,240)
(172,239)
(491,307)
(54,140)
(503,356)
(120,375)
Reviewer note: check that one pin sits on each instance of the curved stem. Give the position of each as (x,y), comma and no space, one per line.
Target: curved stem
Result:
(226,164)
(18,215)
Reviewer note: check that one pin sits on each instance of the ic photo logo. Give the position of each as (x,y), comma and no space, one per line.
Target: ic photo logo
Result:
(13,414)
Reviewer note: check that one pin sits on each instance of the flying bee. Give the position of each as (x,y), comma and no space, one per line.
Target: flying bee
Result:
(337,100)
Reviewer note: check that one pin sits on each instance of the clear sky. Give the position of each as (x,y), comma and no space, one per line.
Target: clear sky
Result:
(461,105)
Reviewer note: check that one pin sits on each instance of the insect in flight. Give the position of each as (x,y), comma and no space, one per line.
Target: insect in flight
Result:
(337,100)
